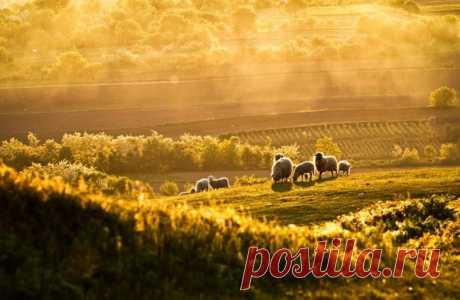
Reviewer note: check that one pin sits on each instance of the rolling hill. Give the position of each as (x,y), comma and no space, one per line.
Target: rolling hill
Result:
(61,242)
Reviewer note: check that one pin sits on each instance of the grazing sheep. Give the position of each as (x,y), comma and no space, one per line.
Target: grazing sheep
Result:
(325,163)
(202,185)
(344,167)
(281,169)
(302,169)
(278,156)
(219,183)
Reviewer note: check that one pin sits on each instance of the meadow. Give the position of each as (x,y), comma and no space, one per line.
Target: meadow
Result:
(307,203)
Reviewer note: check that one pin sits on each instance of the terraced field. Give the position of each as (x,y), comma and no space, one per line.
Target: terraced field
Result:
(357,140)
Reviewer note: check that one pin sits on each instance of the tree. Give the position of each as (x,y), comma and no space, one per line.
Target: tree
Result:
(293,6)
(174,23)
(229,153)
(430,153)
(449,153)
(33,140)
(53,4)
(244,19)
(169,188)
(291,151)
(410,156)
(411,6)
(5,58)
(397,151)
(128,31)
(444,97)
(68,65)
(327,146)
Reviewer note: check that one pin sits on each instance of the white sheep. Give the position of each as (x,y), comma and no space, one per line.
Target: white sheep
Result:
(281,169)
(344,167)
(325,163)
(304,168)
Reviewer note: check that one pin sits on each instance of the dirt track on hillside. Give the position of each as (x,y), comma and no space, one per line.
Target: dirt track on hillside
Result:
(222,121)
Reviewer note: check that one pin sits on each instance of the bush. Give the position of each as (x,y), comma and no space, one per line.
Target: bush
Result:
(153,153)
(444,97)
(410,156)
(91,180)
(430,153)
(20,155)
(293,6)
(328,147)
(449,153)
(5,58)
(408,5)
(407,220)
(68,65)
(128,31)
(244,19)
(405,156)
(169,188)
(397,151)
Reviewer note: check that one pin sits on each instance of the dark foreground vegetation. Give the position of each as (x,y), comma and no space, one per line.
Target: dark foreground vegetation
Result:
(59,243)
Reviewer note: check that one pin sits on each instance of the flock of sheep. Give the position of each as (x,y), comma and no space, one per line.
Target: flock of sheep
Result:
(282,170)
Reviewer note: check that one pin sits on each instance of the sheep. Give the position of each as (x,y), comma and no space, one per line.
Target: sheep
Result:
(302,169)
(325,163)
(344,167)
(219,183)
(281,169)
(202,185)
(278,156)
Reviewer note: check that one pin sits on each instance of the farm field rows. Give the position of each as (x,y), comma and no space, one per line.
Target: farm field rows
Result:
(230,118)
(362,140)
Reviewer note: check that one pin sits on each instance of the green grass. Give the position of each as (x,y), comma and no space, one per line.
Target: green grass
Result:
(322,201)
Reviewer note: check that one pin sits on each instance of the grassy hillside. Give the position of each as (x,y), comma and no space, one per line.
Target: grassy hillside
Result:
(59,243)
(305,203)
